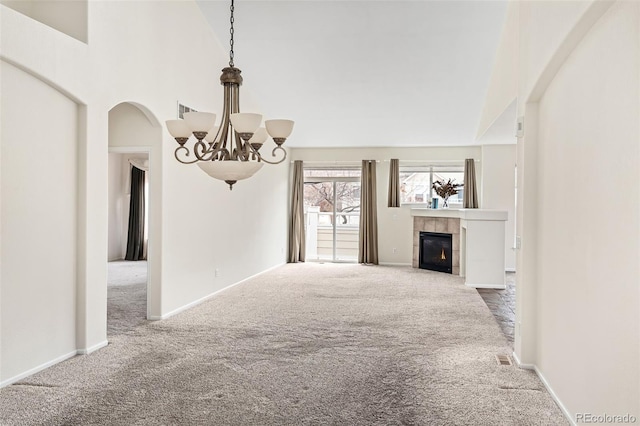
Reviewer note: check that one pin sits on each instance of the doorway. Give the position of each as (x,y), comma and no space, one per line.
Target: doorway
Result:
(135,136)
(127,272)
(332,213)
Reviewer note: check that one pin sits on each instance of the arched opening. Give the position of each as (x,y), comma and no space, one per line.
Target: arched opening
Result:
(133,288)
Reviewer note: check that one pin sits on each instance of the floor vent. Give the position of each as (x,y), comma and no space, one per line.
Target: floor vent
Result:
(503,360)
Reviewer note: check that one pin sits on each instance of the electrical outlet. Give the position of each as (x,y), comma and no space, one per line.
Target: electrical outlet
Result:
(395,250)
(217,273)
(518,242)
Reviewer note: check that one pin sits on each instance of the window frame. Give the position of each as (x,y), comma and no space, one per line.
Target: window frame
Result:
(428,167)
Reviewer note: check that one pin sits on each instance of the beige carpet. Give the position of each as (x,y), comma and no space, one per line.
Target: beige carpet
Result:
(305,344)
(126,296)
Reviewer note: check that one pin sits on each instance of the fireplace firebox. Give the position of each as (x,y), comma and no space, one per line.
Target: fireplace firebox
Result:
(435,251)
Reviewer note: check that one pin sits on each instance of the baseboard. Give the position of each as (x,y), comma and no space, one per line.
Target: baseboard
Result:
(209,296)
(394,264)
(546,384)
(93,348)
(37,369)
(494,286)
(520,364)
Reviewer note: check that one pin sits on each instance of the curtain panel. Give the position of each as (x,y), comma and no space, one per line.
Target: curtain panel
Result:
(296,222)
(135,235)
(470,189)
(368,241)
(394,183)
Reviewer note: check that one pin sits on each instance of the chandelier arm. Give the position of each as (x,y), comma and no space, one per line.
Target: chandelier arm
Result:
(186,154)
(200,150)
(273,154)
(207,153)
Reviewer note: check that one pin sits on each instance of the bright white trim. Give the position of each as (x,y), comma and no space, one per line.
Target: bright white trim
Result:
(554,396)
(209,296)
(130,149)
(37,369)
(93,348)
(496,286)
(520,364)
(394,264)
(546,384)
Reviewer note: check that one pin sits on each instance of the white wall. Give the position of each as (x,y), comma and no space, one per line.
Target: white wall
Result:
(137,54)
(503,85)
(588,301)
(38,218)
(395,225)
(130,127)
(498,190)
(117,204)
(578,304)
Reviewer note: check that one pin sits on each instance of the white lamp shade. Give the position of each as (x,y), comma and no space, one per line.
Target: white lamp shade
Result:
(200,121)
(259,136)
(230,170)
(279,128)
(245,122)
(178,128)
(212,134)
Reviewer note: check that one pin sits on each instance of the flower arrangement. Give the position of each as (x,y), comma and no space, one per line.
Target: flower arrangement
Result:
(446,189)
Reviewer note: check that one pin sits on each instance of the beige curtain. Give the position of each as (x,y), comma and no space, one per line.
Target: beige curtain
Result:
(296,223)
(368,244)
(394,183)
(470,189)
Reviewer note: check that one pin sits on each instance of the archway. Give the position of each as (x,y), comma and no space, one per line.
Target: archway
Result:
(135,137)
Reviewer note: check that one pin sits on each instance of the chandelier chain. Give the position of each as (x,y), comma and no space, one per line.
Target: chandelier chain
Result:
(231,32)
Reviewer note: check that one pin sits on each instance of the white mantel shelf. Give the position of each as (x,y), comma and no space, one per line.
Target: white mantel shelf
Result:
(482,247)
(469,214)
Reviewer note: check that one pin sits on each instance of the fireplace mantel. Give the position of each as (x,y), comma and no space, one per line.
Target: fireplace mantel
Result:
(467,214)
(480,240)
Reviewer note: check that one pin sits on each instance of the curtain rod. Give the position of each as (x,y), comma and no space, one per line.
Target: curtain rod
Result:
(432,161)
(335,161)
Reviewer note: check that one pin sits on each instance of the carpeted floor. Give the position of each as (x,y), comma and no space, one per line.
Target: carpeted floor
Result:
(127,296)
(305,344)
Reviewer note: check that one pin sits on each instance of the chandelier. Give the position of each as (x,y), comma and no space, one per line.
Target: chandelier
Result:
(229,151)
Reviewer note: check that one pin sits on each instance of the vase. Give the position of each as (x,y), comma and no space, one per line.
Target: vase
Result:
(445,203)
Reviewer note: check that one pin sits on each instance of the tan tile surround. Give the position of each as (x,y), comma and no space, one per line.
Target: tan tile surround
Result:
(446,225)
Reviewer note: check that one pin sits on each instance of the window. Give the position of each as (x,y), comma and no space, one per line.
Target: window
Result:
(416,182)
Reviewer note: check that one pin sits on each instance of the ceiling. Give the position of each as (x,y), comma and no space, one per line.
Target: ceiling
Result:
(366,73)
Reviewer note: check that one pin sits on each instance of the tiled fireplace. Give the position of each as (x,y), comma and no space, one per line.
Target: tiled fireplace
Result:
(444,225)
(477,243)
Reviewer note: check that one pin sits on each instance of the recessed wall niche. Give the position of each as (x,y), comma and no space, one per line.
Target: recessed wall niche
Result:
(67,16)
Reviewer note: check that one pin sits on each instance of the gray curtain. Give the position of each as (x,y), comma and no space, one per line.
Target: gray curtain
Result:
(296,223)
(135,235)
(368,243)
(394,183)
(470,189)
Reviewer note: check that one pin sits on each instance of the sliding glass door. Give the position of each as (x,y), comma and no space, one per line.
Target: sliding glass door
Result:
(332,210)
